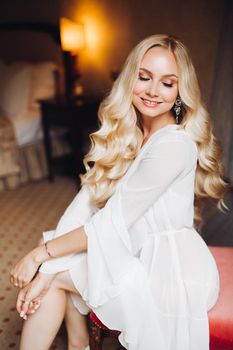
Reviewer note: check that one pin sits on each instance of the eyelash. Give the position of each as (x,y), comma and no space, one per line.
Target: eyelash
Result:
(143,78)
(168,85)
(146,79)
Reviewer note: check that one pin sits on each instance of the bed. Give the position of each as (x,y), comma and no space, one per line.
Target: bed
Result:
(23,83)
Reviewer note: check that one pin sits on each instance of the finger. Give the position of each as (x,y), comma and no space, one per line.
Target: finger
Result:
(14,283)
(28,301)
(35,304)
(25,307)
(32,307)
(21,283)
(13,279)
(12,273)
(20,301)
(17,283)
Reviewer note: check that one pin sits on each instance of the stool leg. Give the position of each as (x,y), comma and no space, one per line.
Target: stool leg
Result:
(95,337)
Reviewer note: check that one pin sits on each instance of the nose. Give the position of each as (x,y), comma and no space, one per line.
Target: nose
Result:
(152,89)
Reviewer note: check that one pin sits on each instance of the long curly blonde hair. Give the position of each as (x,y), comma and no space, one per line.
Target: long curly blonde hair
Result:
(119,138)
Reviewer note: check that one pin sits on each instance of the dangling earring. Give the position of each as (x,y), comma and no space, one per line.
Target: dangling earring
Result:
(177,108)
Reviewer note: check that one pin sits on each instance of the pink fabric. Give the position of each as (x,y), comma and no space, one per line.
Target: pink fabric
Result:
(221,315)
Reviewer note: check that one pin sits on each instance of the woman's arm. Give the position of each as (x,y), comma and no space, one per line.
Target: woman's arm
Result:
(77,213)
(74,241)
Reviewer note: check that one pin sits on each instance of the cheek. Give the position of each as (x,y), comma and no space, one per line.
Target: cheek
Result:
(170,95)
(135,100)
(138,87)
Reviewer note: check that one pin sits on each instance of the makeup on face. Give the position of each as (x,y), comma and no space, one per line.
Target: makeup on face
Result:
(156,88)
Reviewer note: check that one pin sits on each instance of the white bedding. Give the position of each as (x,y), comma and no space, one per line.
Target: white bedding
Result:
(28,131)
(21,86)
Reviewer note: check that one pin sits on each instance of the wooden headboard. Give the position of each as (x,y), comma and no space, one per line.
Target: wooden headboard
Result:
(42,27)
(32,41)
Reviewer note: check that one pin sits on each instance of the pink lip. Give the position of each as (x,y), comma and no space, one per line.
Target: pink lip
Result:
(150,103)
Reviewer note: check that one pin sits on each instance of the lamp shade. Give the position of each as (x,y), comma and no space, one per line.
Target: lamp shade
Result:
(72,35)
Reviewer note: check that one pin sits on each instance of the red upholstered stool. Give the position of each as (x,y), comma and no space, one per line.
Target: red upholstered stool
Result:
(98,332)
(220,316)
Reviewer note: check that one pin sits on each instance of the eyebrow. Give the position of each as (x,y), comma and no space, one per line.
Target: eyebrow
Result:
(165,75)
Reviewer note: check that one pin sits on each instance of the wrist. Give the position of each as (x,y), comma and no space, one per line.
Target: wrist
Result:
(40,255)
(48,250)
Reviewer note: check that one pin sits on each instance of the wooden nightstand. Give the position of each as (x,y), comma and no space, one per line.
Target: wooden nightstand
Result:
(79,122)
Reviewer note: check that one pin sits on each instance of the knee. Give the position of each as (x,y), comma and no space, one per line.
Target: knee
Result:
(77,342)
(56,283)
(59,281)
(63,282)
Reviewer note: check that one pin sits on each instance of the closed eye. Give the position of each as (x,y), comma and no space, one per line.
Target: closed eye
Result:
(143,78)
(168,85)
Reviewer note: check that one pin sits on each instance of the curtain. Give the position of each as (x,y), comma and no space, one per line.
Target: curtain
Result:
(221,100)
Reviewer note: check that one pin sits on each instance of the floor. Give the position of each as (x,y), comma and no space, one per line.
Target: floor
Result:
(24,214)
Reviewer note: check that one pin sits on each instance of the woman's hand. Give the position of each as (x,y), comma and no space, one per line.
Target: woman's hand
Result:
(24,271)
(29,297)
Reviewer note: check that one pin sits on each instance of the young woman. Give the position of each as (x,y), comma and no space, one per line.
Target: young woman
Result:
(126,247)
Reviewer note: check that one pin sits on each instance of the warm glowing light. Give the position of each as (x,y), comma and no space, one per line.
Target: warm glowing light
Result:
(72,35)
(97,34)
(94,33)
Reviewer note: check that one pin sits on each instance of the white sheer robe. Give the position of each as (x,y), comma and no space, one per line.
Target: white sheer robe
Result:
(147,272)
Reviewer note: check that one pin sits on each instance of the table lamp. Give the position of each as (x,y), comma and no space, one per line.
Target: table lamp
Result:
(72,41)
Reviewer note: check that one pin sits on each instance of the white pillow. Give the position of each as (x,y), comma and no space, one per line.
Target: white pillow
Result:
(22,85)
(43,85)
(43,82)
(15,88)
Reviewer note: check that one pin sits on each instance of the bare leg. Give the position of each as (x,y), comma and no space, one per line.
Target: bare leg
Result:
(41,328)
(76,327)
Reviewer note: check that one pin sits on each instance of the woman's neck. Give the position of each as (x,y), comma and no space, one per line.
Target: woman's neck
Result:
(151,125)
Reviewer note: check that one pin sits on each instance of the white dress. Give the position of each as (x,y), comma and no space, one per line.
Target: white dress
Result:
(147,272)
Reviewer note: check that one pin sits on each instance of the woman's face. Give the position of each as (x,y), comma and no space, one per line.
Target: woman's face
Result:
(156,88)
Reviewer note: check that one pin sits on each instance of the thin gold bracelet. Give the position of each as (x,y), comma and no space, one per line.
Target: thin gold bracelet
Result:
(47,250)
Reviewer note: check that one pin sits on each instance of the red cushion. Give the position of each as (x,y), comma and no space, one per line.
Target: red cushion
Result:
(221,315)
(95,319)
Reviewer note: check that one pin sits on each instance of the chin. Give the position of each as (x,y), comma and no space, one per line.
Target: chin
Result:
(151,113)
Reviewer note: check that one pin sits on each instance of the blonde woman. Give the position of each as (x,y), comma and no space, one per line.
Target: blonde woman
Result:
(127,246)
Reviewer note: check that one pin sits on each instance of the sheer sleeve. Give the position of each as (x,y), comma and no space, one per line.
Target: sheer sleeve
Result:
(77,213)
(162,164)
(158,169)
